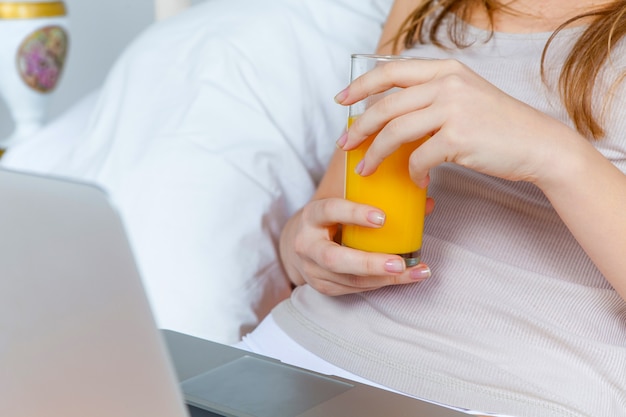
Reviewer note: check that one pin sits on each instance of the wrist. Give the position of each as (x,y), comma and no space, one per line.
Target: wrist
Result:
(562,160)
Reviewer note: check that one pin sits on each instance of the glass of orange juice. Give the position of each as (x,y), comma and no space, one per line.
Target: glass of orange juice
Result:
(390,188)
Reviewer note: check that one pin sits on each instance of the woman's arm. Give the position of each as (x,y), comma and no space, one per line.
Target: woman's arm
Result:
(400,10)
(589,193)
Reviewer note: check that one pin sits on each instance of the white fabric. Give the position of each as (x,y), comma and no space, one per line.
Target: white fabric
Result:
(212,128)
(43,150)
(270,340)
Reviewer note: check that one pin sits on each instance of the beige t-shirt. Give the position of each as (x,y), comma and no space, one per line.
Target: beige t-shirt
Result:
(516,319)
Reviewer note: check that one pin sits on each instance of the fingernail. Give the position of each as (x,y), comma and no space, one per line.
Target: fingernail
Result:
(359,167)
(376,217)
(394,265)
(341,96)
(420,272)
(342,140)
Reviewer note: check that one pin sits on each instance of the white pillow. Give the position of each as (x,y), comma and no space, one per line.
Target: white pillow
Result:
(211,130)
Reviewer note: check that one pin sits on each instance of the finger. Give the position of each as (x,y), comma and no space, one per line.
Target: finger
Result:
(402,73)
(346,284)
(431,153)
(358,268)
(386,109)
(338,210)
(430,205)
(333,288)
(412,127)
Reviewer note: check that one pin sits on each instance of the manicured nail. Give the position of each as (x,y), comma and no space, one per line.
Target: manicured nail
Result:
(341,96)
(394,265)
(420,272)
(359,167)
(342,140)
(376,217)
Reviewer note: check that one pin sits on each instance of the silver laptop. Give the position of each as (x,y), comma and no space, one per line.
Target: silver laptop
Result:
(77,337)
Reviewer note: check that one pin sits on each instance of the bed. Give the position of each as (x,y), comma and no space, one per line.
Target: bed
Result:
(211,129)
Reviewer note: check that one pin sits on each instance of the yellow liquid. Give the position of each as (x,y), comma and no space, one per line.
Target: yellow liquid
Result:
(391,190)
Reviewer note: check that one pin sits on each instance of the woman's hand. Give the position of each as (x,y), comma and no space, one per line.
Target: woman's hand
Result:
(476,125)
(310,254)
(472,123)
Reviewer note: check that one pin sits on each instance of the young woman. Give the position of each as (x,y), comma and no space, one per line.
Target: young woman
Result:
(525,311)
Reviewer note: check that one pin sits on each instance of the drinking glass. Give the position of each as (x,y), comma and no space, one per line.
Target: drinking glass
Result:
(390,188)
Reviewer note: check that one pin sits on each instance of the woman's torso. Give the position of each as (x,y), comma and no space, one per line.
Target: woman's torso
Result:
(515,318)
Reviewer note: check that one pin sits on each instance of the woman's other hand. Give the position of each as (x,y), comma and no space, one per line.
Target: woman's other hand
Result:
(472,123)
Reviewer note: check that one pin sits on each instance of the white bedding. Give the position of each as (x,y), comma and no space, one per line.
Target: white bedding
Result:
(212,128)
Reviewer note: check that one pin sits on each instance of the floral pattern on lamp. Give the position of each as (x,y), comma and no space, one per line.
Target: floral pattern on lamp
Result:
(41,57)
(32,57)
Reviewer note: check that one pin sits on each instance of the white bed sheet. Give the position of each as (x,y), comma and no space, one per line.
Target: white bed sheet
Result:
(212,128)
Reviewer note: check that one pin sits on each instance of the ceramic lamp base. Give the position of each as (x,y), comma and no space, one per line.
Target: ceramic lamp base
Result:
(32,57)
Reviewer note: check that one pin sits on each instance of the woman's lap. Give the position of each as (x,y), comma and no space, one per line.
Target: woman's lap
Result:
(270,340)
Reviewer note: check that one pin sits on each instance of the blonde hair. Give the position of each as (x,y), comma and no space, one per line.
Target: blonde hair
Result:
(577,79)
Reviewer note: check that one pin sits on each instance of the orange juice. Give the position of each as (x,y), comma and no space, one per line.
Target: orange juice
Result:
(391,190)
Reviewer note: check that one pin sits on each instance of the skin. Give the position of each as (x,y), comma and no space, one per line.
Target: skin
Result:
(482,129)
